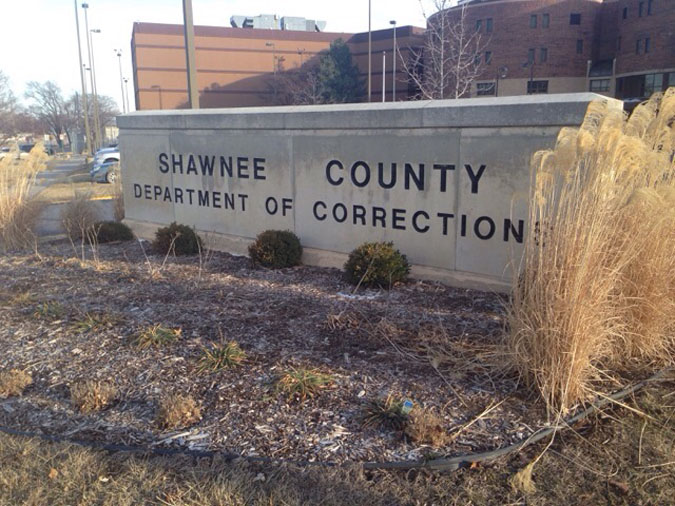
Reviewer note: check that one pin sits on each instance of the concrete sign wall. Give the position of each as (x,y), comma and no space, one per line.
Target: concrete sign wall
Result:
(447,181)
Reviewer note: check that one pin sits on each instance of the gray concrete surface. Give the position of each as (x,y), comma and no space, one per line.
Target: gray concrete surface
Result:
(458,207)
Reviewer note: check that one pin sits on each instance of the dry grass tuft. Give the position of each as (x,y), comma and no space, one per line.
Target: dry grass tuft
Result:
(425,427)
(19,208)
(156,336)
(177,411)
(342,321)
(79,216)
(596,293)
(91,396)
(13,382)
(221,356)
(299,384)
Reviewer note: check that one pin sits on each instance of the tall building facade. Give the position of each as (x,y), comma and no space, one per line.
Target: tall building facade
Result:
(620,48)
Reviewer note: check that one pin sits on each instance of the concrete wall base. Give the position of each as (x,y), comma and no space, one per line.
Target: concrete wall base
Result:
(236,245)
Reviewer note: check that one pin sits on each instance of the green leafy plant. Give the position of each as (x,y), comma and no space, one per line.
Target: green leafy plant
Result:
(50,311)
(156,336)
(221,356)
(387,412)
(298,384)
(276,249)
(177,239)
(92,321)
(112,231)
(376,264)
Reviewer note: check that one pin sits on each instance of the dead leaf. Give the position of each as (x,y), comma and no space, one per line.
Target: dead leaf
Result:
(53,473)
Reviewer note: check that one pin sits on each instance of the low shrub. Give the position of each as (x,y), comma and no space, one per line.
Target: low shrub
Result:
(276,249)
(177,239)
(177,411)
(91,396)
(376,264)
(112,231)
(13,382)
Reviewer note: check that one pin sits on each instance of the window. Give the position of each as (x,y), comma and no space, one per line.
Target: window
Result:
(625,13)
(618,44)
(533,21)
(483,89)
(479,25)
(650,4)
(653,83)
(648,44)
(530,56)
(641,8)
(638,46)
(545,20)
(575,19)
(476,60)
(488,57)
(600,85)
(537,87)
(543,55)
(580,46)
(488,25)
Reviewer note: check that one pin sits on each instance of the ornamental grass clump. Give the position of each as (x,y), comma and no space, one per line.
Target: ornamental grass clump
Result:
(276,249)
(177,239)
(596,291)
(376,264)
(19,205)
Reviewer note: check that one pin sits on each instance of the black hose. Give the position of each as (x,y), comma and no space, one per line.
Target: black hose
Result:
(442,464)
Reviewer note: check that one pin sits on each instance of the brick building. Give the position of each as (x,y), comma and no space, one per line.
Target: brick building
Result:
(622,48)
(234,65)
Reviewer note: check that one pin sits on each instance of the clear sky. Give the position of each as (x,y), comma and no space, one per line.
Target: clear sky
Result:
(38,38)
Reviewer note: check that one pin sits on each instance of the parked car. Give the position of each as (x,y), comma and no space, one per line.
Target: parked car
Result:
(105,168)
(105,172)
(4,151)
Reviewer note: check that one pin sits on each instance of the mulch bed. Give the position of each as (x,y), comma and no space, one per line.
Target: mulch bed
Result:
(421,341)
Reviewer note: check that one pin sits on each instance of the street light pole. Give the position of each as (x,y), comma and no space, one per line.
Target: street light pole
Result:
(118,52)
(87,133)
(92,77)
(384,76)
(189,30)
(370,52)
(393,93)
(126,93)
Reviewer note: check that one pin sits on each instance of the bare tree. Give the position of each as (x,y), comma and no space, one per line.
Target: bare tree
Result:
(301,86)
(8,110)
(48,107)
(449,59)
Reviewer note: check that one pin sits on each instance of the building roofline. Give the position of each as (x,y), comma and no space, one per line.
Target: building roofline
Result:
(242,33)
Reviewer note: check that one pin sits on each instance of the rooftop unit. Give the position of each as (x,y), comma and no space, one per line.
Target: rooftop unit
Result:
(274,22)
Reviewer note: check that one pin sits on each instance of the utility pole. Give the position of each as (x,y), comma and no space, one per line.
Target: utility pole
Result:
(370,51)
(84,86)
(189,30)
(97,126)
(118,52)
(97,111)
(395,53)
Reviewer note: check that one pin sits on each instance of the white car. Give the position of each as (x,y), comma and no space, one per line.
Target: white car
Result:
(106,161)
